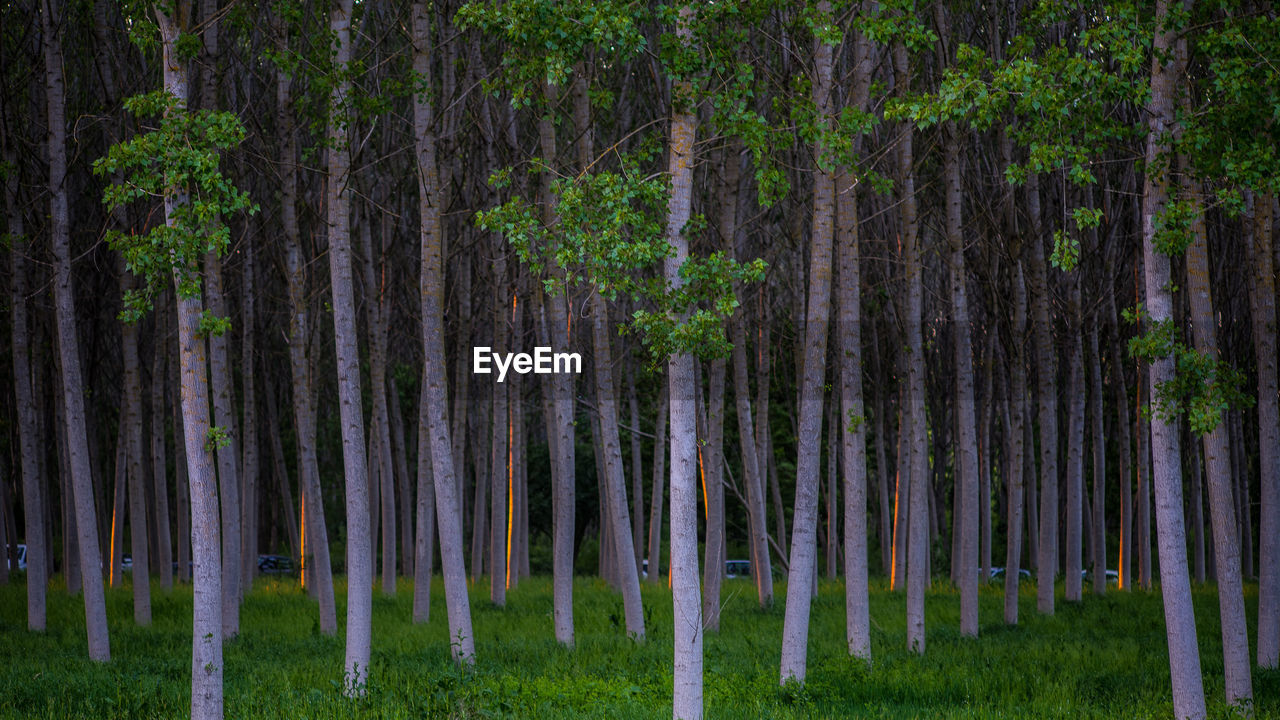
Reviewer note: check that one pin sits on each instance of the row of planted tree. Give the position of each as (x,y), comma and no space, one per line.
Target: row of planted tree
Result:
(943,284)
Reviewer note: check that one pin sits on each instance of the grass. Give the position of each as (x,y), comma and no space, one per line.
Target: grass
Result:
(1104,658)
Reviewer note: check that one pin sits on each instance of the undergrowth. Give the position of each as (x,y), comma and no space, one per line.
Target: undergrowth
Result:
(1103,658)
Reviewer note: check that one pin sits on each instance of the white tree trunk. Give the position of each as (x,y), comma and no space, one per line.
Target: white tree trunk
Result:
(81,479)
(435,400)
(350,403)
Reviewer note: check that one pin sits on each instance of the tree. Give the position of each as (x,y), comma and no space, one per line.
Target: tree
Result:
(178,162)
(1167,65)
(435,402)
(73,412)
(350,404)
(804,553)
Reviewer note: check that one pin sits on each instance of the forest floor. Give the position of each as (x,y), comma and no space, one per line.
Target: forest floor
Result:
(1104,658)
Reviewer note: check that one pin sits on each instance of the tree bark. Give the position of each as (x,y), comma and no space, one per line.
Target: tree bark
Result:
(1184,656)
(966,421)
(1265,329)
(250,467)
(159,464)
(1217,463)
(804,518)
(86,522)
(207,626)
(137,478)
(657,493)
(1074,562)
(33,499)
(318,569)
(435,401)
(685,595)
(1047,401)
(355,466)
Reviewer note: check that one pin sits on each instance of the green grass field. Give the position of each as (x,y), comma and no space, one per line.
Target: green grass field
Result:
(1105,658)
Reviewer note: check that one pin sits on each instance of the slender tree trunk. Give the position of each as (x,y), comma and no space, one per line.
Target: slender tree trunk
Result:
(637,470)
(379,440)
(137,477)
(1265,330)
(249,469)
(404,492)
(882,454)
(207,626)
(852,416)
(1015,434)
(713,569)
(1124,562)
(1099,466)
(1047,400)
(1168,62)
(435,402)
(499,471)
(81,478)
(1075,454)
(355,466)
(114,571)
(222,388)
(33,501)
(424,540)
(914,433)
(803,559)
(614,484)
(657,494)
(182,488)
(966,440)
(986,423)
(686,609)
(159,464)
(318,569)
(1217,462)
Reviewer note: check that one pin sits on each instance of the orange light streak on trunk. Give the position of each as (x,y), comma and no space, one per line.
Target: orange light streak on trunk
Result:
(302,544)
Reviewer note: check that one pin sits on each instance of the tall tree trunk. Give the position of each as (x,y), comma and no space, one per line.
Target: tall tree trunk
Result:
(314,534)
(1168,62)
(614,484)
(1015,434)
(685,595)
(499,513)
(1263,302)
(713,568)
(425,537)
(435,402)
(1099,465)
(249,469)
(182,487)
(137,477)
(966,427)
(1217,463)
(355,466)
(379,440)
(914,432)
(1074,561)
(86,521)
(1124,562)
(34,502)
(115,552)
(804,518)
(1047,401)
(637,469)
(207,626)
(404,492)
(159,464)
(852,416)
(657,493)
